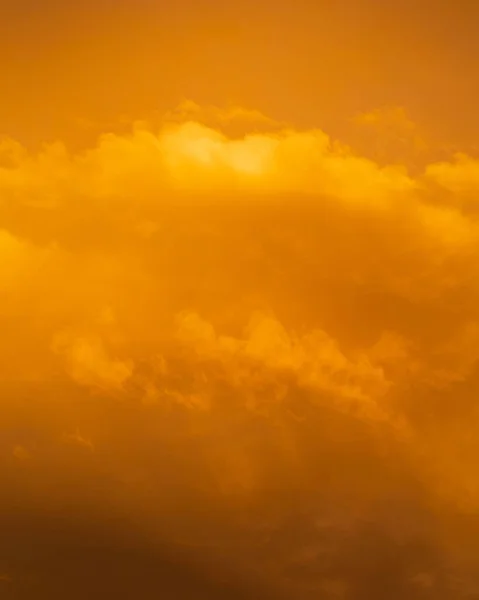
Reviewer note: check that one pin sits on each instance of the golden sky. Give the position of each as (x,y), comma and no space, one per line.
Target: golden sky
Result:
(239,300)
(313,63)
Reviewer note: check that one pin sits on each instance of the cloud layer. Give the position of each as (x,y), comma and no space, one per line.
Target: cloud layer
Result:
(262,342)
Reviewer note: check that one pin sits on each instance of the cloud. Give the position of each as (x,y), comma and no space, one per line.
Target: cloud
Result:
(189,110)
(78,440)
(389,134)
(89,363)
(459,176)
(314,360)
(247,324)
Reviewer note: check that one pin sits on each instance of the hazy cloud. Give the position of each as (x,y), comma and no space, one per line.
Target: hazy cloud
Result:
(270,341)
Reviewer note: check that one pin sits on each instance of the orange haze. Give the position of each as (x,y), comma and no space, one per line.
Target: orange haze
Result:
(239,347)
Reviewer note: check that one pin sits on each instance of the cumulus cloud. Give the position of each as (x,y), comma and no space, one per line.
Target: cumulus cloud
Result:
(292,324)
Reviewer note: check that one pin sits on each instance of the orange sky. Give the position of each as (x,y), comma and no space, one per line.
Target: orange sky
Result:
(239,305)
(314,63)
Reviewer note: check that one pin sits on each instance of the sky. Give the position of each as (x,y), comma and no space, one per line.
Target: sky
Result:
(239,319)
(312,63)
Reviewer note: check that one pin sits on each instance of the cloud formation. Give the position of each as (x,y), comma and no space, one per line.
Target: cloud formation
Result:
(294,325)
